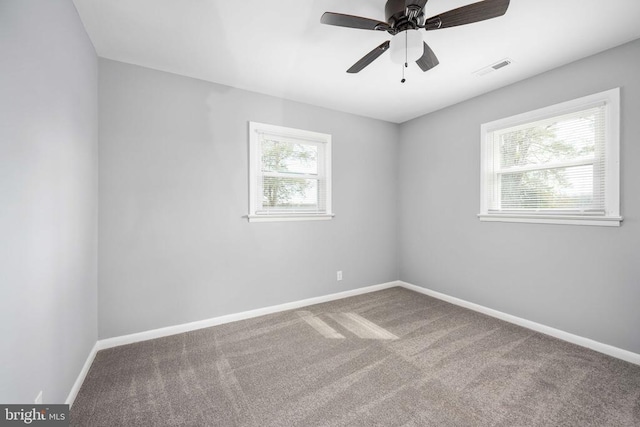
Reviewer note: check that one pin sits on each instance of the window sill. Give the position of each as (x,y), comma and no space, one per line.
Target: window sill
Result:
(606,221)
(290,217)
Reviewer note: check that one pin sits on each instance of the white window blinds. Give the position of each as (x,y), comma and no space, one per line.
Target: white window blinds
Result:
(291,176)
(552,164)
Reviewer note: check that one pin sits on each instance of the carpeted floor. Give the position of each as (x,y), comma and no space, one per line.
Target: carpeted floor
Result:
(388,358)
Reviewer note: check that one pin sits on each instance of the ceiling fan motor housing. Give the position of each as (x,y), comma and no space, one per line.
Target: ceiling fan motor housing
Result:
(396,15)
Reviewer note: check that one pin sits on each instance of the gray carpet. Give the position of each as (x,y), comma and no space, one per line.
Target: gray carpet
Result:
(388,358)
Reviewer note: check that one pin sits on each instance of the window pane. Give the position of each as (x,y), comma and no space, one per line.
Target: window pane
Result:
(561,188)
(552,164)
(290,194)
(565,138)
(280,156)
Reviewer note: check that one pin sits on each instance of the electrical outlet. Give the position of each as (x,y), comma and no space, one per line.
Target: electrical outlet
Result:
(339,275)
(38,400)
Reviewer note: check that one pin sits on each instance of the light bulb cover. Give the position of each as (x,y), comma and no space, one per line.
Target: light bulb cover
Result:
(406,45)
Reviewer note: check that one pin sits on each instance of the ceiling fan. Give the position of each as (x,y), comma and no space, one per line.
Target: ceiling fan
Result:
(404,16)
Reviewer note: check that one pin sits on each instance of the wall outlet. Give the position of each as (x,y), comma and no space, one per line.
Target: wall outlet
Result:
(38,400)
(339,275)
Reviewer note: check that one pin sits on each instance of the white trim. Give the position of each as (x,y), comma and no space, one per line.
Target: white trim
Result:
(292,134)
(200,324)
(607,349)
(561,108)
(554,219)
(612,156)
(289,217)
(83,374)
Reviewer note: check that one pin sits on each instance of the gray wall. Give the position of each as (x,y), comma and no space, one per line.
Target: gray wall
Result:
(174,246)
(48,199)
(580,279)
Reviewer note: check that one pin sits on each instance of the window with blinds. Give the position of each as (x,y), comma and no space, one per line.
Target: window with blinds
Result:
(290,174)
(559,164)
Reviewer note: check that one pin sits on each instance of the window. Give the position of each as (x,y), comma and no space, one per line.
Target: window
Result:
(557,165)
(290,174)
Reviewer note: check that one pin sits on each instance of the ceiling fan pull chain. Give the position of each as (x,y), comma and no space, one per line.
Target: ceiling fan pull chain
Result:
(406,49)
(405,57)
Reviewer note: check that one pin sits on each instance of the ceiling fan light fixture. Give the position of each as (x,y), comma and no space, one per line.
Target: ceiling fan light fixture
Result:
(406,47)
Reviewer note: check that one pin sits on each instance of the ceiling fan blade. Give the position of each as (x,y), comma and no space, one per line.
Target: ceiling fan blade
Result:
(428,59)
(351,21)
(369,58)
(474,12)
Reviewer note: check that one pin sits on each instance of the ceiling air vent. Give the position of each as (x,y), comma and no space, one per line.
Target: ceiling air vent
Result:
(491,68)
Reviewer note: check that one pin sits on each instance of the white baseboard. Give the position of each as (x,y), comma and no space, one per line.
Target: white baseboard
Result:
(83,374)
(192,326)
(556,333)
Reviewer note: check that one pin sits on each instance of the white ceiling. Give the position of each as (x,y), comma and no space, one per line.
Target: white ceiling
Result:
(280,48)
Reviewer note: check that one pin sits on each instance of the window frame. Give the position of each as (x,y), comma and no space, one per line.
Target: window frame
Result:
(322,140)
(488,151)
